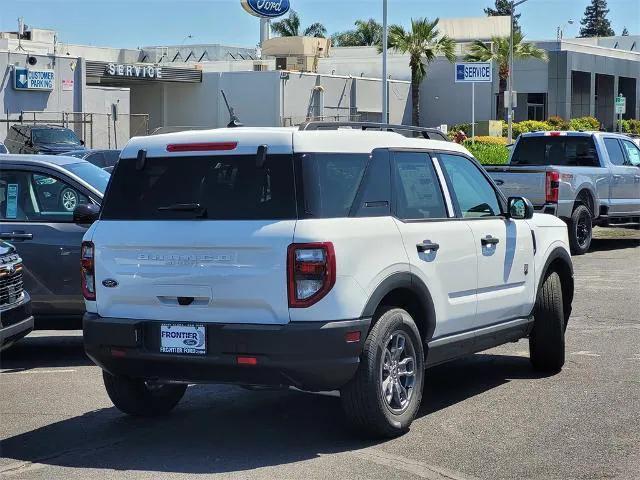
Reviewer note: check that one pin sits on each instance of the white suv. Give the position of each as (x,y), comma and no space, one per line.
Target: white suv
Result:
(343,260)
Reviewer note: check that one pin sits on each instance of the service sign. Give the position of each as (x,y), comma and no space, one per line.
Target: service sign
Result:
(474,72)
(27,79)
(266,8)
(133,71)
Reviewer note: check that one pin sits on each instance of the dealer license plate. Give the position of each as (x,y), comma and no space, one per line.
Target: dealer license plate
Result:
(183,339)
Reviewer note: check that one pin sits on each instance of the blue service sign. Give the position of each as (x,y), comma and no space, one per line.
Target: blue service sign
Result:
(266,8)
(474,72)
(27,79)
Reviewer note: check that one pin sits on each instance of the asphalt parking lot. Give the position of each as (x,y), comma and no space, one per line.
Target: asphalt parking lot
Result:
(488,416)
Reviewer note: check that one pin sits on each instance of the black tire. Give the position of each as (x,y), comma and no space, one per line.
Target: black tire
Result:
(546,341)
(135,397)
(580,230)
(365,406)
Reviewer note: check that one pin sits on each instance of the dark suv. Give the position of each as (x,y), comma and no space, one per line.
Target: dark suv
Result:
(42,139)
(16,320)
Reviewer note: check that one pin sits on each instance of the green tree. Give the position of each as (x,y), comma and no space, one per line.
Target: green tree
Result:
(595,22)
(503,8)
(423,43)
(290,27)
(366,33)
(625,32)
(497,51)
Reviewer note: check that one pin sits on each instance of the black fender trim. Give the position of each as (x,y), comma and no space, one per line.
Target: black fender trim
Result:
(568,290)
(411,282)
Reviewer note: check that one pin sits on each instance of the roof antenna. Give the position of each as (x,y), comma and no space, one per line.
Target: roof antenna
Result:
(234,121)
(141,159)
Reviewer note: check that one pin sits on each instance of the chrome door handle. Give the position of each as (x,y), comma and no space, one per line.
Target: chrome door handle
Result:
(489,240)
(16,236)
(427,246)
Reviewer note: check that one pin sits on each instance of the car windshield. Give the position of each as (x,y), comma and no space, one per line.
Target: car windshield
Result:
(94,176)
(55,135)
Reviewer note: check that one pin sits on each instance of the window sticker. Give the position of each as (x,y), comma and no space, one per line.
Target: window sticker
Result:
(12,201)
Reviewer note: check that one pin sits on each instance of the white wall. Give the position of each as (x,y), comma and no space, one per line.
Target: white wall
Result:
(103,133)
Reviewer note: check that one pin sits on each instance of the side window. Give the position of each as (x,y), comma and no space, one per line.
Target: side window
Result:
(97,159)
(474,194)
(34,197)
(614,150)
(633,152)
(417,191)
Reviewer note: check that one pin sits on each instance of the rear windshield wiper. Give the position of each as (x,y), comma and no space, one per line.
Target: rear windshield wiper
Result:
(185,207)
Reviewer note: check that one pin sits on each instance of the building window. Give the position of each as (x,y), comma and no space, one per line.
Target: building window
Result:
(536,106)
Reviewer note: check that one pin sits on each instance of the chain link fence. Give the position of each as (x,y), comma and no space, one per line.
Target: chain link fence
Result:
(97,130)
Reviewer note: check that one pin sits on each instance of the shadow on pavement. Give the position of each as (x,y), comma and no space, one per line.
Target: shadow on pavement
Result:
(39,351)
(226,429)
(606,244)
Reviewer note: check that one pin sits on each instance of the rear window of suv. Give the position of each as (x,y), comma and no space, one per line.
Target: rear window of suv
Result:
(229,187)
(563,150)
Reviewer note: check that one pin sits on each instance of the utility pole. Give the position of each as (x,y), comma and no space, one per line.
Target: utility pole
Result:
(385,88)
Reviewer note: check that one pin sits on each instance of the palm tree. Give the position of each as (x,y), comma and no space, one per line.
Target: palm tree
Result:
(423,44)
(290,27)
(498,51)
(366,33)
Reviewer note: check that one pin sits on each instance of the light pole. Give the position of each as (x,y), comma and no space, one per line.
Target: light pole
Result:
(560,32)
(510,106)
(385,90)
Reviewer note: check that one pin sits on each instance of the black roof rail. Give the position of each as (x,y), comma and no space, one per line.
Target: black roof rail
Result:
(389,127)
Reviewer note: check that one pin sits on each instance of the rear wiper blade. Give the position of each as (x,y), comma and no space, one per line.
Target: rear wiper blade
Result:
(182,207)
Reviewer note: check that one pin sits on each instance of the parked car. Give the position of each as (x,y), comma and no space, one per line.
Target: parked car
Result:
(38,195)
(326,260)
(3,149)
(16,320)
(42,139)
(585,178)
(105,159)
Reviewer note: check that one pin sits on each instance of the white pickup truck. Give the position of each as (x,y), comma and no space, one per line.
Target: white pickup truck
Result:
(325,260)
(585,178)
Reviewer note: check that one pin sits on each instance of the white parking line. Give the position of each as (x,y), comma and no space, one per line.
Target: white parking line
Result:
(10,371)
(585,353)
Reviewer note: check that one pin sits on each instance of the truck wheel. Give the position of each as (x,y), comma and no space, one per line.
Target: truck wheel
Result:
(140,398)
(580,230)
(546,341)
(384,396)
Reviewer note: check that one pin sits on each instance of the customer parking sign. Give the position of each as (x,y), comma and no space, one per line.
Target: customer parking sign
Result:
(27,79)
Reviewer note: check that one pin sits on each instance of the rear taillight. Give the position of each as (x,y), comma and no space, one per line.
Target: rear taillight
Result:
(552,187)
(311,272)
(87,271)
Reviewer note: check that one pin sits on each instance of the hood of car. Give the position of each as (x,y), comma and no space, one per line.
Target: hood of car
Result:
(54,148)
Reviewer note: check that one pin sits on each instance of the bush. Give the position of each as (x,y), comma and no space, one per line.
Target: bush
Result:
(558,123)
(465,127)
(631,126)
(525,126)
(584,123)
(488,152)
(491,140)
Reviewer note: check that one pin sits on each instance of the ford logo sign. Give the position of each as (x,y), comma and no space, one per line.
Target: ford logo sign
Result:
(266,8)
(110,283)
(190,342)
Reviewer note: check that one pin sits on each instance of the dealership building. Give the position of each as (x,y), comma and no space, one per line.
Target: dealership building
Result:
(109,94)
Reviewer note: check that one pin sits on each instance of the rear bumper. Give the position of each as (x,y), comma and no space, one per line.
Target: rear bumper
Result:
(307,355)
(16,322)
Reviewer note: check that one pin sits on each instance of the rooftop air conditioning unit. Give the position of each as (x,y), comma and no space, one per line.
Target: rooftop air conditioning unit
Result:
(260,67)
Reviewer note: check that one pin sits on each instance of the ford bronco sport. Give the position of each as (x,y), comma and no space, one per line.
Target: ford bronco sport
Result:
(321,259)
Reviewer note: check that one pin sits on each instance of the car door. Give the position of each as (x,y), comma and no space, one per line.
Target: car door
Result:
(632,153)
(440,249)
(36,210)
(622,189)
(504,247)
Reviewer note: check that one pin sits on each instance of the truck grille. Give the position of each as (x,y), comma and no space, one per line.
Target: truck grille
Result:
(10,283)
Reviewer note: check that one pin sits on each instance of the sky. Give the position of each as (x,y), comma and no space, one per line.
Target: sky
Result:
(137,23)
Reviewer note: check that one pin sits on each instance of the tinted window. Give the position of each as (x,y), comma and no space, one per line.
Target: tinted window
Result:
(94,176)
(111,157)
(633,152)
(614,150)
(417,191)
(37,197)
(564,150)
(3,149)
(54,135)
(229,187)
(96,158)
(331,181)
(470,188)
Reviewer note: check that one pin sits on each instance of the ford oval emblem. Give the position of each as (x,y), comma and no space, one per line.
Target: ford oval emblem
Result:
(266,8)
(110,283)
(190,342)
